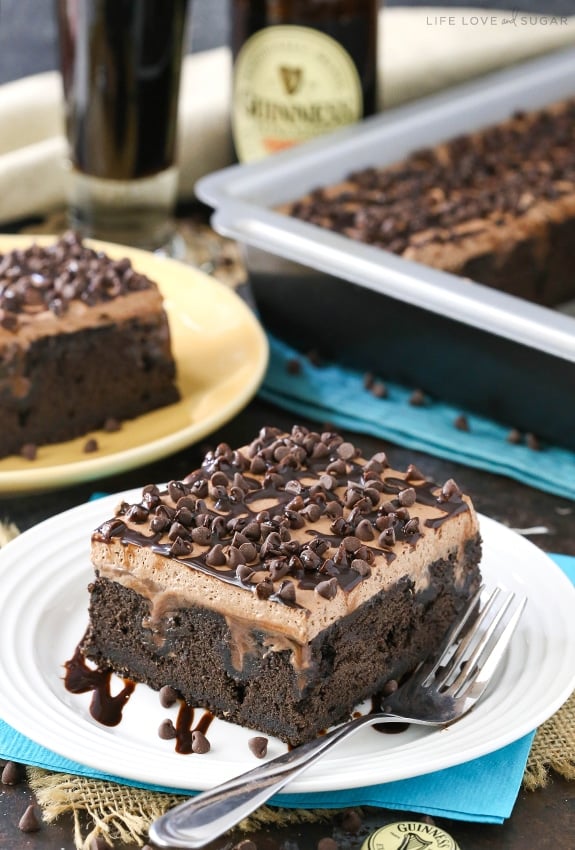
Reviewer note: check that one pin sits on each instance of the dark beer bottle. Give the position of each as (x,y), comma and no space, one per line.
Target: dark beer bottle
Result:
(300,68)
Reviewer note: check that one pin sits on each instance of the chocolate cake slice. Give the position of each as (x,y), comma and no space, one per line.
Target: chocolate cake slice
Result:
(83,339)
(496,206)
(282,583)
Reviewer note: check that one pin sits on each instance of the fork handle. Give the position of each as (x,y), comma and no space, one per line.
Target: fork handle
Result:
(203,818)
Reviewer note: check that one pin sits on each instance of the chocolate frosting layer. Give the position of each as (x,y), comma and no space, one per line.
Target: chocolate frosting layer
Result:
(297,522)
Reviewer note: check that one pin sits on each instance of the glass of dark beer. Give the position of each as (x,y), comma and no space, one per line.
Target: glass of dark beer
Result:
(121,62)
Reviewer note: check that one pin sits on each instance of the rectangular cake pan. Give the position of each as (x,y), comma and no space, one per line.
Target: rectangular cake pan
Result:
(457,340)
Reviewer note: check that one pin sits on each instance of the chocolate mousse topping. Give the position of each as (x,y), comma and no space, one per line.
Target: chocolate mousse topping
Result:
(479,179)
(290,512)
(40,278)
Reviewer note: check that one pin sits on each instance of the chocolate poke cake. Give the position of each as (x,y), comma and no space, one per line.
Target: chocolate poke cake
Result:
(282,583)
(84,339)
(496,206)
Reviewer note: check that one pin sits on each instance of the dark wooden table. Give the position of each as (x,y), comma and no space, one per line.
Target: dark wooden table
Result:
(541,819)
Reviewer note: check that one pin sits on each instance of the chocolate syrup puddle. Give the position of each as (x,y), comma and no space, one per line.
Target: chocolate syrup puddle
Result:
(80,679)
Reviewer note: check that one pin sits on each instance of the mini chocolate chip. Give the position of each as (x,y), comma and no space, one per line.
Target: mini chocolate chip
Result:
(413,473)
(167,730)
(351,543)
(201,535)
(137,514)
(234,557)
(12,773)
(360,566)
(417,399)
(412,526)
(168,696)
(293,366)
(327,843)
(30,822)
(449,490)
(351,822)
(364,530)
(532,442)
(216,557)
(346,451)
(407,497)
(387,537)
(334,509)
(379,390)
(29,451)
(180,548)
(200,743)
(327,589)
(287,591)
(259,746)
(252,531)
(514,436)
(264,588)
(244,573)
(461,422)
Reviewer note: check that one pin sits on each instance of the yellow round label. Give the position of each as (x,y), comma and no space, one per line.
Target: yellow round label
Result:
(291,83)
(409,835)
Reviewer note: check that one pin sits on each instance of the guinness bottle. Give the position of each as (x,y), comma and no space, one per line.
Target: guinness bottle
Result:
(301,68)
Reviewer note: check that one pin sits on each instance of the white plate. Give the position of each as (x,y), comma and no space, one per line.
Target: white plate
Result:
(221,354)
(44,575)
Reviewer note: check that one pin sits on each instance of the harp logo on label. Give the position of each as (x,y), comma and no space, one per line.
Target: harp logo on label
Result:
(410,835)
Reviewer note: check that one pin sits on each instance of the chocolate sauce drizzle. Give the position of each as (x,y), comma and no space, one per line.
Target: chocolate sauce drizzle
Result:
(211,522)
(81,679)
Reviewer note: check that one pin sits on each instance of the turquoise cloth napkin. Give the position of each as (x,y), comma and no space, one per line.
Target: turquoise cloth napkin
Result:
(482,790)
(330,393)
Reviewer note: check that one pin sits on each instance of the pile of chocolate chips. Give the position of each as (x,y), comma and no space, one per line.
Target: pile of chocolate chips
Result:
(41,278)
(504,170)
(297,476)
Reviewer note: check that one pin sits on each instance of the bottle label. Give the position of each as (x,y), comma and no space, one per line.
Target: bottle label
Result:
(291,83)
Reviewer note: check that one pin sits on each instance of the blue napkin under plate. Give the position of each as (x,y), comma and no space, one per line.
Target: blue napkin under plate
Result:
(482,790)
(331,393)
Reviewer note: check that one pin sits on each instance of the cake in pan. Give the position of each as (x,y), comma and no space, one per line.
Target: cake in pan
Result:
(84,339)
(282,583)
(496,206)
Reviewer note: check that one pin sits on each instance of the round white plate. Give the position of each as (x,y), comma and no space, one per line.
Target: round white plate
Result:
(221,354)
(44,575)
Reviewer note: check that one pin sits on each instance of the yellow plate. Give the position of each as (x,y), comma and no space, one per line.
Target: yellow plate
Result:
(221,354)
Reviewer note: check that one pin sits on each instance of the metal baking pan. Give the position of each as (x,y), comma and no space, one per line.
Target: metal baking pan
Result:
(471,345)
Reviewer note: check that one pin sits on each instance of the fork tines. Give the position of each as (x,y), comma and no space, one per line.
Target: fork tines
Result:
(476,644)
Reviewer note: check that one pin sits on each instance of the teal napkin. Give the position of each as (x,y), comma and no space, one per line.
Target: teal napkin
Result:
(331,393)
(483,790)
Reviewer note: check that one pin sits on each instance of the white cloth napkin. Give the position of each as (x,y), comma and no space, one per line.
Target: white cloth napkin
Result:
(421,50)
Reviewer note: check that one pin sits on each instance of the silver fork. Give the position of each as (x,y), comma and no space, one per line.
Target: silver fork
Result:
(439,692)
